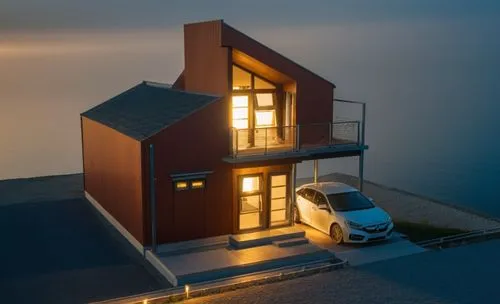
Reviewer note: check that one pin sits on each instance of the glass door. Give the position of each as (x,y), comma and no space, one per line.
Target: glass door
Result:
(279,209)
(250,202)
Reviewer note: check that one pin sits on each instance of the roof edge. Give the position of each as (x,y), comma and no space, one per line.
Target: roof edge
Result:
(277,53)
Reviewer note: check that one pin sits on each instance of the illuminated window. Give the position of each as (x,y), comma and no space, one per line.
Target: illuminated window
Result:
(264,118)
(242,80)
(250,184)
(262,84)
(197,184)
(250,202)
(181,186)
(240,111)
(264,99)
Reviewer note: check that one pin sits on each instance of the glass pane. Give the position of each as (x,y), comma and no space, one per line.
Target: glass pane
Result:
(277,204)
(240,101)
(278,216)
(278,192)
(249,220)
(198,184)
(181,185)
(240,113)
(241,79)
(264,99)
(262,84)
(264,118)
(250,184)
(250,203)
(278,180)
(240,124)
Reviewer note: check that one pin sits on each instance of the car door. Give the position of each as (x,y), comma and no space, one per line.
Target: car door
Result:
(321,217)
(304,202)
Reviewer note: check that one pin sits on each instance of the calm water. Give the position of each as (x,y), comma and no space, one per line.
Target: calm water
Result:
(431,88)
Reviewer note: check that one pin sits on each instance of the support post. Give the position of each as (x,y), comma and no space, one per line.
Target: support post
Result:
(316,171)
(152,196)
(361,166)
(293,194)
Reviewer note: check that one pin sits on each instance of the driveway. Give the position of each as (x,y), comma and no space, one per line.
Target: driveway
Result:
(358,254)
(61,250)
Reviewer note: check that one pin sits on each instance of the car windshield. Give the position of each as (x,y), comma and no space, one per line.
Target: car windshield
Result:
(349,201)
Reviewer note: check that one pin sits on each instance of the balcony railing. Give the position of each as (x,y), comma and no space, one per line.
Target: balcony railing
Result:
(274,140)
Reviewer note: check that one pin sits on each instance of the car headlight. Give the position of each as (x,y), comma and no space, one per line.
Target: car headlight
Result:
(353,224)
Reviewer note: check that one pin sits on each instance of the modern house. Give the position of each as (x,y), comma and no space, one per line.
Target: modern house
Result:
(214,153)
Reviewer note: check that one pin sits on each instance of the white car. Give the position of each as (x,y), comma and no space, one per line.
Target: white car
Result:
(342,212)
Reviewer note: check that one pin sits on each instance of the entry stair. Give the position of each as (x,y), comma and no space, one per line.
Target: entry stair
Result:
(240,255)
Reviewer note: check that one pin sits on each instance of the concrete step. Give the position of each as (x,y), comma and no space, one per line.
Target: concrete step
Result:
(291,242)
(265,237)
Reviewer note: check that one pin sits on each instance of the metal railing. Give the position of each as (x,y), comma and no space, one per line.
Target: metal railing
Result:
(272,140)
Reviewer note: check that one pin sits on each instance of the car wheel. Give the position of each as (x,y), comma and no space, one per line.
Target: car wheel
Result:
(336,234)
(296,215)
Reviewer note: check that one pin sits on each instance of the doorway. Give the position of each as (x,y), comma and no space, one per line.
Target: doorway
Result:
(263,201)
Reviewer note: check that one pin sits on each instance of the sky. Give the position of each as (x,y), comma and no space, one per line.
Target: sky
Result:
(428,70)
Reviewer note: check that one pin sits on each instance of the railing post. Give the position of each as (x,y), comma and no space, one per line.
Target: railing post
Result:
(330,140)
(231,142)
(297,138)
(236,146)
(359,132)
(265,141)
(363,125)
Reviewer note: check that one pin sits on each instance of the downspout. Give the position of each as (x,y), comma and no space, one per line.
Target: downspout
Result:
(152,195)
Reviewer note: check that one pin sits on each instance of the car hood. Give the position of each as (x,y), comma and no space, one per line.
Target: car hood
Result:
(366,216)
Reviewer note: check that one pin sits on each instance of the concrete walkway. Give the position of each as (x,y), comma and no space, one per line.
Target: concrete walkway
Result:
(408,207)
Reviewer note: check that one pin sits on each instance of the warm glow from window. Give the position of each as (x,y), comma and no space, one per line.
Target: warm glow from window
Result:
(241,79)
(264,99)
(240,112)
(264,118)
(197,184)
(262,84)
(240,101)
(250,184)
(181,185)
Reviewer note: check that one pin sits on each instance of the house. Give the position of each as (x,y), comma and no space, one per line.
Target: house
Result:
(216,152)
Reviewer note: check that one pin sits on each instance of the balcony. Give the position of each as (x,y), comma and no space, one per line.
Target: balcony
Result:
(298,140)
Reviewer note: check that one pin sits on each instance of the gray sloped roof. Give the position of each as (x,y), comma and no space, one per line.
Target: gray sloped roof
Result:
(147,108)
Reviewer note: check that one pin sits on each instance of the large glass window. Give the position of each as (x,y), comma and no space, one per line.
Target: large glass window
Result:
(240,112)
(265,118)
(242,80)
(250,202)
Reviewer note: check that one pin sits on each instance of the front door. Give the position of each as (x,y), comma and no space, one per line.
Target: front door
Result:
(279,212)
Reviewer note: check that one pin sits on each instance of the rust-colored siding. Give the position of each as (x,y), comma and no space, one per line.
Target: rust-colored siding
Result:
(112,174)
(207,64)
(196,143)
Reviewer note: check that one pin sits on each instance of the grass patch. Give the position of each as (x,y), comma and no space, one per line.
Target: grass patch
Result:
(422,232)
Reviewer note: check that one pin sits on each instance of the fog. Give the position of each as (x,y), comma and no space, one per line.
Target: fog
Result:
(431,86)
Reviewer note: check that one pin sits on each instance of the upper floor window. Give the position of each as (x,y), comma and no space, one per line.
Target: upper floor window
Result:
(244,80)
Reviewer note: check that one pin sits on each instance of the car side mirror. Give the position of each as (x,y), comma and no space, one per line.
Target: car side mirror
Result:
(324,207)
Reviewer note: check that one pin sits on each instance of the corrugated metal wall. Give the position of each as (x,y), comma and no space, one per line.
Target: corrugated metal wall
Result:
(112,174)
